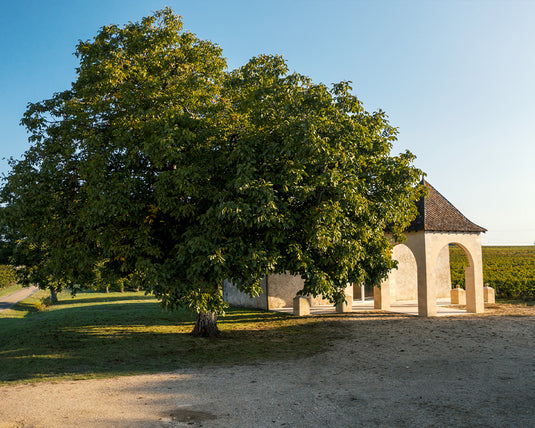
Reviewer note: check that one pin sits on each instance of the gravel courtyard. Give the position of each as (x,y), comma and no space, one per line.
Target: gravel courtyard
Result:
(392,371)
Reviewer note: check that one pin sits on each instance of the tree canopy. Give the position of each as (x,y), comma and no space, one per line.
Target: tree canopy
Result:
(160,166)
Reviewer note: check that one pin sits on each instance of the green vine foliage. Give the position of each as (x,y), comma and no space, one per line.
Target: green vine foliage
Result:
(509,270)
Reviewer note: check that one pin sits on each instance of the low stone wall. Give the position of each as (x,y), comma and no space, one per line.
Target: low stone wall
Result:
(235,297)
(284,287)
(281,289)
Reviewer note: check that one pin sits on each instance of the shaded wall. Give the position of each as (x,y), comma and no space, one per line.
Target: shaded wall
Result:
(235,297)
(443,273)
(281,290)
(403,280)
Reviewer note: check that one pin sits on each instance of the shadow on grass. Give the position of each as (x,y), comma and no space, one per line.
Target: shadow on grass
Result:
(138,337)
(5,305)
(24,306)
(115,298)
(520,302)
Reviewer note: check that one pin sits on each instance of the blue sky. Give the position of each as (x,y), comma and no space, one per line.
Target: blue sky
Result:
(456,77)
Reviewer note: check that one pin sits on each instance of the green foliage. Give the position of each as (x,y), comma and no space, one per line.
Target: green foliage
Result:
(8,275)
(7,245)
(458,262)
(509,270)
(160,167)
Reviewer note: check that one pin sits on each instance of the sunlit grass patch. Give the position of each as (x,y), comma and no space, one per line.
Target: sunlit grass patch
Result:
(100,335)
(4,291)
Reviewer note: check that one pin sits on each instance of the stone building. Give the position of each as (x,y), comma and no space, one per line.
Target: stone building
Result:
(423,272)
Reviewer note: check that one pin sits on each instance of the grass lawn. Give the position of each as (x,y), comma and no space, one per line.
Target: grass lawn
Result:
(10,289)
(103,335)
(516,302)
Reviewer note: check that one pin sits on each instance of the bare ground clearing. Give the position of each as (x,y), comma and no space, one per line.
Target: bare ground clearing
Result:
(466,371)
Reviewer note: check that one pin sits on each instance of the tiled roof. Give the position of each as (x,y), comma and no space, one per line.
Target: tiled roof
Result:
(437,214)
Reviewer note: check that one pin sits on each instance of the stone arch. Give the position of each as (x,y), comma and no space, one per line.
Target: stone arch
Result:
(413,245)
(466,251)
(470,243)
(442,271)
(428,250)
(467,255)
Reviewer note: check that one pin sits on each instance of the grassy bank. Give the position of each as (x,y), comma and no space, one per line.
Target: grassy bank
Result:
(101,335)
(4,291)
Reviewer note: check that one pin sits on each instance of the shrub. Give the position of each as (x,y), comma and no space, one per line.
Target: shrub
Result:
(8,275)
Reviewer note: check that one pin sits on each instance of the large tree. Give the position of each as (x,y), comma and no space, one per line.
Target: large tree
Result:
(160,166)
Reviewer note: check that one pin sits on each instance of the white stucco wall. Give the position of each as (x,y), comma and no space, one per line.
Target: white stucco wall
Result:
(403,281)
(284,287)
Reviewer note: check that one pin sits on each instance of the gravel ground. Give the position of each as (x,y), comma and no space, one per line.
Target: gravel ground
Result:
(466,371)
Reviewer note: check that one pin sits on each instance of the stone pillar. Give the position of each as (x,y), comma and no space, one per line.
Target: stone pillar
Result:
(425,265)
(301,305)
(347,305)
(489,295)
(458,296)
(381,296)
(474,287)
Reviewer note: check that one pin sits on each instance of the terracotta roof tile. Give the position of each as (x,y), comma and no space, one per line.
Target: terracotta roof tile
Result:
(437,214)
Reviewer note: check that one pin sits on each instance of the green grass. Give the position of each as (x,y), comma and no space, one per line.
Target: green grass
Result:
(103,335)
(516,302)
(9,289)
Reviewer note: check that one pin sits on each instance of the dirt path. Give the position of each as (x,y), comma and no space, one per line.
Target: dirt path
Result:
(7,301)
(475,371)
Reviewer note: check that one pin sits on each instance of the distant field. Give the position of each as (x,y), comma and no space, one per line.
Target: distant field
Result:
(509,270)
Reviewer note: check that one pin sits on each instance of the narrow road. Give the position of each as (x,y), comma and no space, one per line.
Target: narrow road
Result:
(7,301)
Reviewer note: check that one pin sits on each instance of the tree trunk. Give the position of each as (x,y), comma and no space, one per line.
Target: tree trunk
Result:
(53,296)
(107,288)
(206,325)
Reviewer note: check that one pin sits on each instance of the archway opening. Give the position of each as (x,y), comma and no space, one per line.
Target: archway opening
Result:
(362,292)
(453,268)
(458,261)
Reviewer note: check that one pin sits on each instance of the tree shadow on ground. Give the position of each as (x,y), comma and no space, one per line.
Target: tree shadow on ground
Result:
(76,300)
(133,338)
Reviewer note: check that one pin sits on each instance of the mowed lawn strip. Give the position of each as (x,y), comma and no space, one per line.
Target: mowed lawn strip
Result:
(102,335)
(4,291)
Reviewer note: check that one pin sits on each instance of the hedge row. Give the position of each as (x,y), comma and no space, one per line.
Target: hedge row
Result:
(7,275)
(509,270)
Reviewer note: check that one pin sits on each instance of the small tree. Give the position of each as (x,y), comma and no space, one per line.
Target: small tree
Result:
(159,166)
